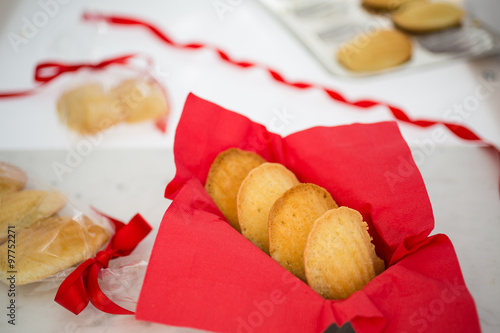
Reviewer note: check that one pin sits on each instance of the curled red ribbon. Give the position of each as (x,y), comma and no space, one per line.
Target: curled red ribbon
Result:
(42,70)
(82,285)
(457,129)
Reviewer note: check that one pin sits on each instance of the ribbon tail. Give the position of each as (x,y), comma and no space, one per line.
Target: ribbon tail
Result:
(161,124)
(21,93)
(72,294)
(18,93)
(98,298)
(130,235)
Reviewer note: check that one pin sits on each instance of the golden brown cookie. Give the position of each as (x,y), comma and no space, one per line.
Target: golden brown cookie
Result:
(339,256)
(423,17)
(225,176)
(88,109)
(12,178)
(290,221)
(258,192)
(140,99)
(51,245)
(384,4)
(24,208)
(374,51)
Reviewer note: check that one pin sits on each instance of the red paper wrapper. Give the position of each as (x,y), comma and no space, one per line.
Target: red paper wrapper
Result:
(204,274)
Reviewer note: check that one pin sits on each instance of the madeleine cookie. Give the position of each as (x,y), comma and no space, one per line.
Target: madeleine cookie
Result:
(384,4)
(424,17)
(225,176)
(51,245)
(139,100)
(88,109)
(375,51)
(12,178)
(290,221)
(258,192)
(24,208)
(339,256)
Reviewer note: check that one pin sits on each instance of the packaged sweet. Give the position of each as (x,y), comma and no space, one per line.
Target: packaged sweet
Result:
(97,104)
(42,233)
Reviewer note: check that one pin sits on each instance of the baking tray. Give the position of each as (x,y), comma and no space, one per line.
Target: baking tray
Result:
(323,25)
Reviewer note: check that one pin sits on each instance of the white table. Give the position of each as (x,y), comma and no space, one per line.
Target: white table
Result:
(127,172)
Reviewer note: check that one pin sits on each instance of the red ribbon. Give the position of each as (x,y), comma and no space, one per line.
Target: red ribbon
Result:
(458,130)
(81,285)
(48,71)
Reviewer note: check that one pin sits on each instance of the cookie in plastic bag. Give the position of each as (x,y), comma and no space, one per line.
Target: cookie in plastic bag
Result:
(42,232)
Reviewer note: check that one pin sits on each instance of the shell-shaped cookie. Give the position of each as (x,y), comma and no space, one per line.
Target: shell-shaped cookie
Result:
(24,208)
(339,257)
(423,17)
(140,99)
(88,109)
(374,51)
(384,4)
(258,192)
(290,221)
(224,179)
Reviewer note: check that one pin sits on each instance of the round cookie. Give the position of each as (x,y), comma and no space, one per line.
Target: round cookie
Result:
(384,4)
(290,221)
(380,49)
(425,17)
(339,257)
(12,178)
(258,192)
(225,176)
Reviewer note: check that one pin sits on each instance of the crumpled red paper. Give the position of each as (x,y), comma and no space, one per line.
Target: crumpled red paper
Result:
(204,274)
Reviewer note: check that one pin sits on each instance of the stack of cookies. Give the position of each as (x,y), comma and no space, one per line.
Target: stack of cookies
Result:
(298,224)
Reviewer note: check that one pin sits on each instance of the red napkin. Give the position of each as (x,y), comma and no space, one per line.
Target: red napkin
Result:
(204,274)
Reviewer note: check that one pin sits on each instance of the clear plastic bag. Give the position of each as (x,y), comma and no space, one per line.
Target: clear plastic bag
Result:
(123,283)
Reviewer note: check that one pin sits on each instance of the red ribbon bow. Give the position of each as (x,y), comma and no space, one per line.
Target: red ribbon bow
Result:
(48,71)
(82,285)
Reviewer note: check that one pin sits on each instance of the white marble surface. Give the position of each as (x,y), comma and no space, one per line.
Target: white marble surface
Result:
(127,172)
